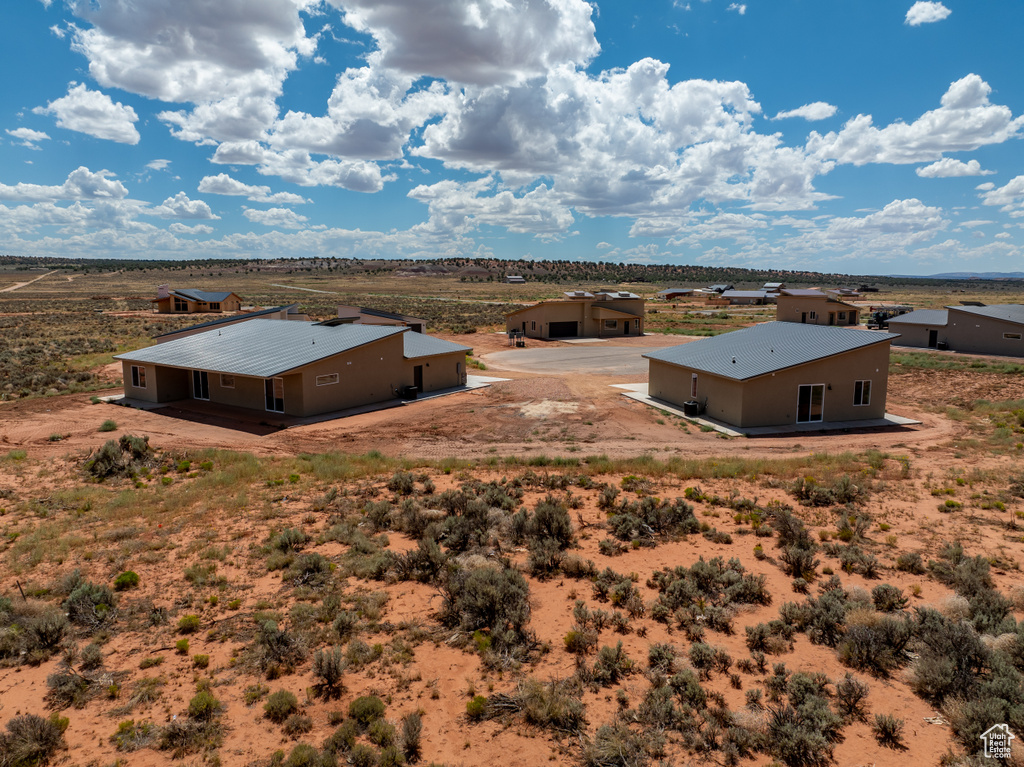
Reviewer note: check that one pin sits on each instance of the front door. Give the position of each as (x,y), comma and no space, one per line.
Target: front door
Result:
(625,327)
(274,389)
(417,377)
(810,405)
(933,339)
(803,317)
(200,385)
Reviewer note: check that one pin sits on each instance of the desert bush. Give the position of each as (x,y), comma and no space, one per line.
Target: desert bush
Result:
(289,539)
(888,731)
(132,736)
(91,657)
(297,724)
(68,689)
(910,562)
(275,649)
(850,696)
(614,745)
(90,604)
(189,624)
(488,598)
(366,709)
(888,598)
(119,458)
(874,642)
(343,738)
(951,658)
(687,688)
(108,425)
(126,580)
(328,667)
(794,740)
(412,731)
(31,740)
(476,708)
(611,665)
(661,657)
(310,570)
(204,706)
(280,705)
(402,483)
(381,733)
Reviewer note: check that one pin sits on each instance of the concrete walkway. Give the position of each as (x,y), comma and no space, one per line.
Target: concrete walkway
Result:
(639,393)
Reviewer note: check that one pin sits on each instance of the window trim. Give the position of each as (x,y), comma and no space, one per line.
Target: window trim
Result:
(812,315)
(227,381)
(325,379)
(862,392)
(179,304)
(812,387)
(139,377)
(610,324)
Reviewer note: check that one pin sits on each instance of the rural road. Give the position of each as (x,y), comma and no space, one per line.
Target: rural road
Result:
(606,360)
(17,285)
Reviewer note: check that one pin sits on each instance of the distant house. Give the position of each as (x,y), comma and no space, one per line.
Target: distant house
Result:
(669,293)
(361,315)
(773,287)
(744,297)
(515,279)
(289,312)
(581,315)
(189,301)
(295,368)
(995,329)
(814,307)
(777,373)
(719,288)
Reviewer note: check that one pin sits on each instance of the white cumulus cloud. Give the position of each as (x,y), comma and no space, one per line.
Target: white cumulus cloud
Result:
(181,207)
(222,183)
(740,8)
(27,136)
(965,121)
(926,12)
(947,167)
(818,110)
(282,218)
(1009,198)
(158,164)
(81,184)
(93,113)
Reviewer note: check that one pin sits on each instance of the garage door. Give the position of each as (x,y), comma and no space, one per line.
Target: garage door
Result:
(562,330)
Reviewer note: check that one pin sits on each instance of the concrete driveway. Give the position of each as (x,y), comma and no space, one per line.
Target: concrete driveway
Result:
(602,360)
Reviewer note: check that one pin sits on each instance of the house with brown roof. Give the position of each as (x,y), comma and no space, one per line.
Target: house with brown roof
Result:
(603,314)
(294,368)
(190,301)
(996,329)
(814,307)
(363,315)
(776,374)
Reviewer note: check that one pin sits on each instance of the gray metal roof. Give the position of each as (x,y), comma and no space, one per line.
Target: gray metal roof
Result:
(744,293)
(804,292)
(201,295)
(230,320)
(419,345)
(921,317)
(1006,312)
(260,348)
(767,348)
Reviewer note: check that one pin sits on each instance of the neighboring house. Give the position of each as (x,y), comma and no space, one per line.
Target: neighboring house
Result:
(189,301)
(720,288)
(289,312)
(742,297)
(361,315)
(581,315)
(815,307)
(773,287)
(777,373)
(995,329)
(296,368)
(669,293)
(515,279)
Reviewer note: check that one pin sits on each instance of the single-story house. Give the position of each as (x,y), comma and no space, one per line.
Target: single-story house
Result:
(189,301)
(581,315)
(289,312)
(362,315)
(995,329)
(742,297)
(719,288)
(777,373)
(296,368)
(814,307)
(669,293)
(515,279)
(773,287)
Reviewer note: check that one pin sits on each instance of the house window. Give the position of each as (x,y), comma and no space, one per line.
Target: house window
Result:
(813,315)
(609,324)
(138,376)
(810,403)
(533,326)
(327,380)
(636,324)
(180,305)
(861,393)
(200,384)
(1011,336)
(215,306)
(842,316)
(227,382)
(274,390)
(693,386)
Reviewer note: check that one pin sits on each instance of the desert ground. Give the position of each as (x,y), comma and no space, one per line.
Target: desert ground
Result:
(538,571)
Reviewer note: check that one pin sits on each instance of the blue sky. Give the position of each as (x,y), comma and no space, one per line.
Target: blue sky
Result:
(881,136)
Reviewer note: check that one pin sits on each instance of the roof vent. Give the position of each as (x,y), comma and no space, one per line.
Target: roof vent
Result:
(733,360)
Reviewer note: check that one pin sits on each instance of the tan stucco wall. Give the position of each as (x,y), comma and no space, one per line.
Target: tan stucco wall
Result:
(916,335)
(790,308)
(162,384)
(368,374)
(975,334)
(441,371)
(771,400)
(580,311)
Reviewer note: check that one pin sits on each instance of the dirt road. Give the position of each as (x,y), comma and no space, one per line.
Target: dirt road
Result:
(19,285)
